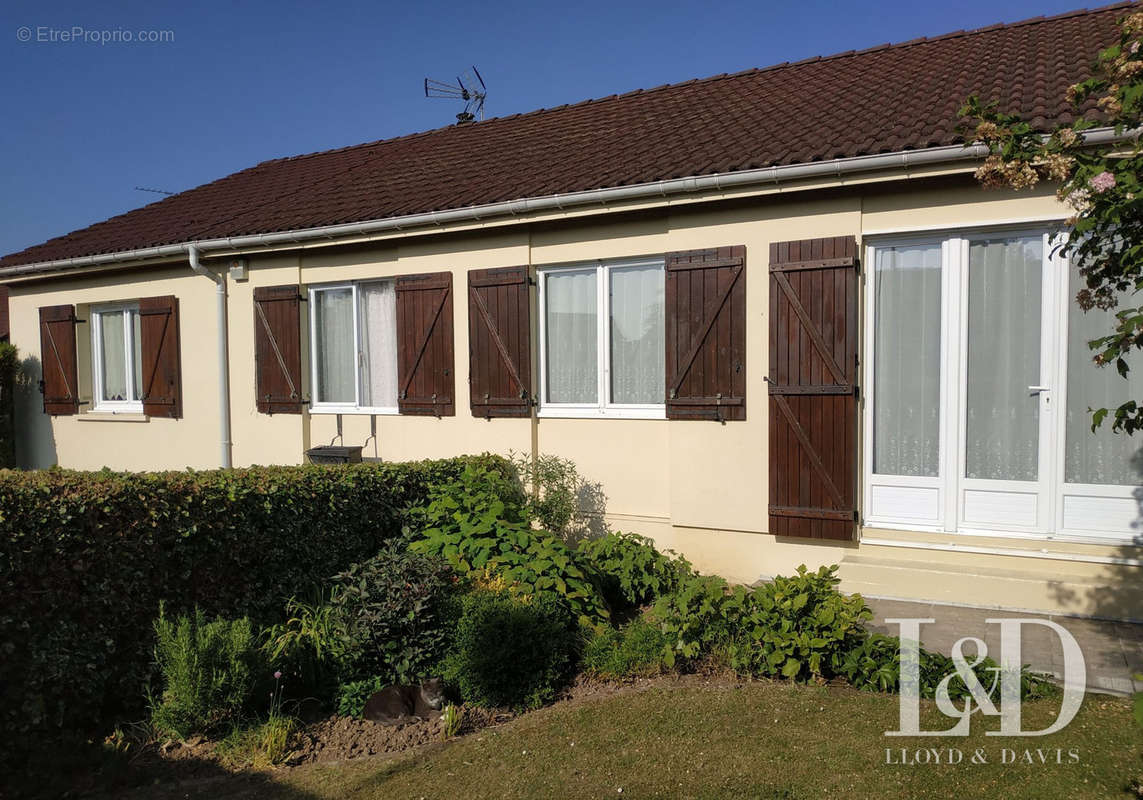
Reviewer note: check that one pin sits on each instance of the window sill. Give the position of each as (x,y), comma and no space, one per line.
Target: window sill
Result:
(597,413)
(113,416)
(349,410)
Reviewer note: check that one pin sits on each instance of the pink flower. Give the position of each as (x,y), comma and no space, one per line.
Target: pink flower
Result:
(1102,182)
(278,675)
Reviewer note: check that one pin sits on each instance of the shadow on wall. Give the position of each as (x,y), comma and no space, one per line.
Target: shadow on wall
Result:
(35,441)
(1118,591)
(590,519)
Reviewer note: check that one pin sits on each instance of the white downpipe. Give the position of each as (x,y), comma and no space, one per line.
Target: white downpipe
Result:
(223,349)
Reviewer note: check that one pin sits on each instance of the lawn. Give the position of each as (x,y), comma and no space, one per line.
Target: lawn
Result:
(718,738)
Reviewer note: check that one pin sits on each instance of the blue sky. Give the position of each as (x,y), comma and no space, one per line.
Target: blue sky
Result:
(86,122)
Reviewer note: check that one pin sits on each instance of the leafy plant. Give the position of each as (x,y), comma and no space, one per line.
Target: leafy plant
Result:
(631,571)
(477,526)
(635,650)
(797,627)
(511,652)
(694,619)
(313,645)
(352,696)
(265,744)
(552,484)
(394,614)
(209,669)
(451,719)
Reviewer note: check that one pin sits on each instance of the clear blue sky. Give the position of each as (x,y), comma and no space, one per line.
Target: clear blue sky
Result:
(84,123)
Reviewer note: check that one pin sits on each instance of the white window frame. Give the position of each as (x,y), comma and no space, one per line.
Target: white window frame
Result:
(603,408)
(946,516)
(134,403)
(318,407)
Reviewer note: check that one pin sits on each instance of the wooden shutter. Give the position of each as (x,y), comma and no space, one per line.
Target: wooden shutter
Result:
(58,360)
(424,344)
(499,343)
(277,350)
(159,347)
(706,334)
(813,388)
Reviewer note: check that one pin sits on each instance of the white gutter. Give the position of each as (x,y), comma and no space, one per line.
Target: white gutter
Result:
(835,168)
(223,348)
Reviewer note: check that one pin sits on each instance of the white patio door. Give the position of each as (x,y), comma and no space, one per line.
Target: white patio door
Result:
(1005,401)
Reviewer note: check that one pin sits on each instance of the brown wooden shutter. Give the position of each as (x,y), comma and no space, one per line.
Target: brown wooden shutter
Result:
(706,334)
(277,349)
(159,347)
(58,360)
(813,388)
(499,343)
(424,344)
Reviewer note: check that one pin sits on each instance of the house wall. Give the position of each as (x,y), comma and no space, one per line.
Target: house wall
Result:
(699,487)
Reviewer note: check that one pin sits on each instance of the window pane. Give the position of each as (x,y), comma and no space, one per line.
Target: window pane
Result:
(137,355)
(113,370)
(1102,457)
(1003,417)
(570,322)
(637,361)
(907,361)
(378,321)
(334,350)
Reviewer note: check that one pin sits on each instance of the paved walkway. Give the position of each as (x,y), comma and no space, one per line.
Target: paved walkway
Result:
(1113,651)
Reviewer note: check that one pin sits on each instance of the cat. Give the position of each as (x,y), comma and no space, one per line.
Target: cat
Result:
(395,704)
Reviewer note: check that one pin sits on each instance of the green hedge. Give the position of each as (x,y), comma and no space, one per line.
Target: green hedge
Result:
(86,557)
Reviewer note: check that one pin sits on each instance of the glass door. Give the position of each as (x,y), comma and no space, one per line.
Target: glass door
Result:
(1008,336)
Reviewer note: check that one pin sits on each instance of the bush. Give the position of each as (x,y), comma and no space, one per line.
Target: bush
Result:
(631,571)
(209,672)
(352,696)
(799,627)
(399,609)
(9,366)
(313,647)
(636,650)
(510,652)
(85,559)
(477,524)
(694,619)
(552,485)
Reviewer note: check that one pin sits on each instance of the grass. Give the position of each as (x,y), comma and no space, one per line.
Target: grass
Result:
(765,740)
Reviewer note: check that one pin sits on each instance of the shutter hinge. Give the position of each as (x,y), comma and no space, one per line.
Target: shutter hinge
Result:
(531,281)
(673,394)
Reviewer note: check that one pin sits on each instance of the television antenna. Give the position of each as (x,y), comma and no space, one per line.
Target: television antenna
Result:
(469,87)
(156,191)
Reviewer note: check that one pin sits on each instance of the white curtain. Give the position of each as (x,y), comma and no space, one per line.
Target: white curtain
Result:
(136,353)
(1002,416)
(907,361)
(113,346)
(571,323)
(335,349)
(378,323)
(1102,457)
(637,361)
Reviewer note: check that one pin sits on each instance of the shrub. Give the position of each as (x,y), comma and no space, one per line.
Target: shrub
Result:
(694,619)
(313,646)
(799,627)
(631,571)
(552,484)
(398,610)
(209,672)
(86,558)
(635,650)
(510,652)
(9,366)
(352,696)
(477,524)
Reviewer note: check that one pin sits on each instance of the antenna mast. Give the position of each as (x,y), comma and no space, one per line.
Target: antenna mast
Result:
(469,87)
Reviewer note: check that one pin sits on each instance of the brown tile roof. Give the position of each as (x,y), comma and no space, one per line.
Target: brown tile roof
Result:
(884,99)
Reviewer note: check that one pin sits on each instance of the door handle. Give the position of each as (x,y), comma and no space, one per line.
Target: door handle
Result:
(1038,389)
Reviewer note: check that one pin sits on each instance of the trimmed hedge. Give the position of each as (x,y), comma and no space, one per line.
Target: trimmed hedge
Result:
(86,557)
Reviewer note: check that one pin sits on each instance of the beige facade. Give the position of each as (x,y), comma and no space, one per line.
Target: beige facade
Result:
(699,487)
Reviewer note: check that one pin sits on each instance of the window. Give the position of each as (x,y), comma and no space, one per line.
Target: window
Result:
(117,373)
(353,334)
(602,339)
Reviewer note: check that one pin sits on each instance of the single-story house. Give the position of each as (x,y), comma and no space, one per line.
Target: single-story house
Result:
(772,313)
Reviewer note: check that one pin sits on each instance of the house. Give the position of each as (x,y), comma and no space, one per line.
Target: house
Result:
(772,313)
